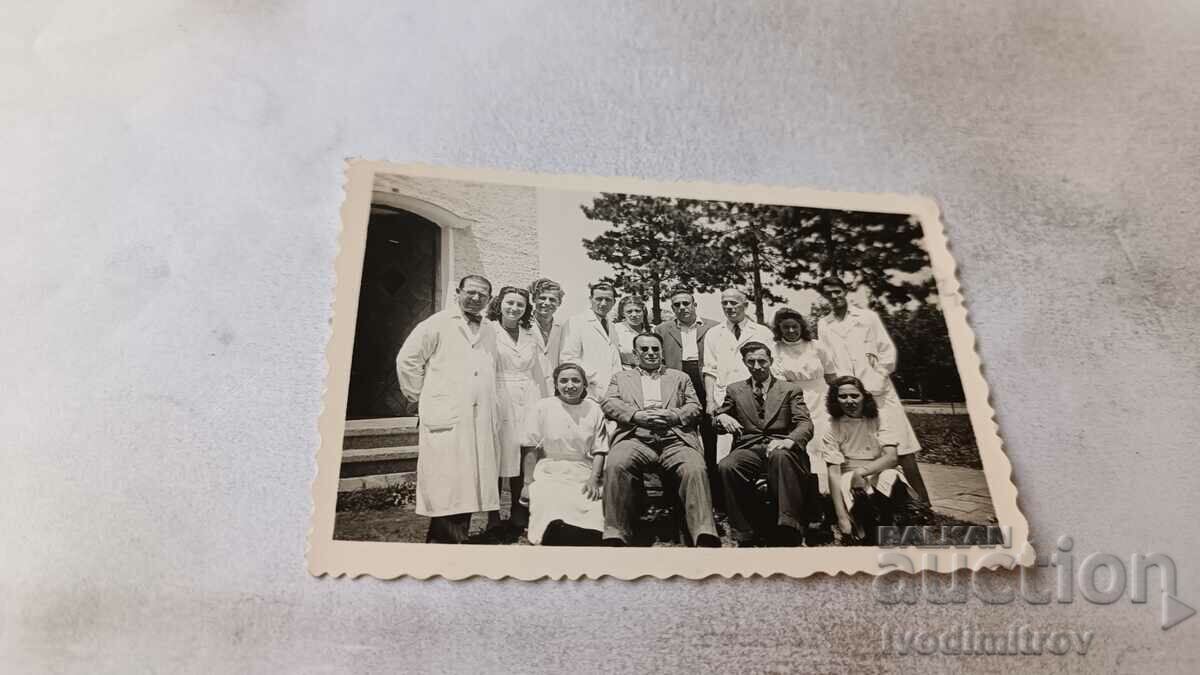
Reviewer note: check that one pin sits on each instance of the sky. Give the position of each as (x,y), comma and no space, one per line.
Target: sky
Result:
(562,227)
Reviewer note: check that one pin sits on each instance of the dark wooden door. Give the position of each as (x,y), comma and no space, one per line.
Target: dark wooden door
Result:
(399,284)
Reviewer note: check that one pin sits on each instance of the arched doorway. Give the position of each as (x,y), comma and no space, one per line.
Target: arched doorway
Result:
(399,288)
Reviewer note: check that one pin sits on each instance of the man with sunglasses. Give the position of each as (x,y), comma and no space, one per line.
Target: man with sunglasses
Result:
(683,349)
(656,411)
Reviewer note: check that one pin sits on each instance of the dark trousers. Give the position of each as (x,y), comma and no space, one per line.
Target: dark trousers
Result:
(629,459)
(708,435)
(785,472)
(559,533)
(451,529)
(872,511)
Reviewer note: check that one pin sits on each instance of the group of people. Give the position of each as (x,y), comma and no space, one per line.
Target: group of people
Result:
(569,416)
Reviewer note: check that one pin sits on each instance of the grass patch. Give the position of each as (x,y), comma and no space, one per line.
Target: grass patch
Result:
(378,499)
(946,439)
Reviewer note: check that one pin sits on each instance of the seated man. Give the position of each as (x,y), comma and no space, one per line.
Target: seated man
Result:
(656,411)
(772,428)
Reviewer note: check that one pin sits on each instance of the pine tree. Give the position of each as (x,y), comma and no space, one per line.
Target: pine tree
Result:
(881,251)
(657,244)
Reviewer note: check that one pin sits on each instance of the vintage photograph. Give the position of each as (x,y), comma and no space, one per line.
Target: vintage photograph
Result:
(594,366)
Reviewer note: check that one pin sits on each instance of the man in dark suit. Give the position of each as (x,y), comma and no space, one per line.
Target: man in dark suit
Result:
(683,349)
(656,410)
(772,428)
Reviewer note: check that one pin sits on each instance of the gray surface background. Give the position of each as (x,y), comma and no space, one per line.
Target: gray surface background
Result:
(170,186)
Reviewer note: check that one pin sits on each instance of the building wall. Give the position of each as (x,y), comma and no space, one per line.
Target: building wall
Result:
(500,239)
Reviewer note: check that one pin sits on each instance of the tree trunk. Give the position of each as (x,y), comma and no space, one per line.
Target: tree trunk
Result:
(758,299)
(831,266)
(655,300)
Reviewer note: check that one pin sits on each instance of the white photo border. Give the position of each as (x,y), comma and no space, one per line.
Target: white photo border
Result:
(388,560)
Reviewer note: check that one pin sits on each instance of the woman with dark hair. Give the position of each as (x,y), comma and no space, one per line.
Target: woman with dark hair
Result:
(860,452)
(801,359)
(564,446)
(631,322)
(519,382)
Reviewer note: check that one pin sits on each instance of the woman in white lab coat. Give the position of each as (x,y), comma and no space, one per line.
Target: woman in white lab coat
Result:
(519,383)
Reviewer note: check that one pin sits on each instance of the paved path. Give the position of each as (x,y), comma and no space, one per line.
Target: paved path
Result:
(936,408)
(959,492)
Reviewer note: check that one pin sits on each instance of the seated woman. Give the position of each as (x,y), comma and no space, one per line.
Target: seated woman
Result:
(631,322)
(868,490)
(562,481)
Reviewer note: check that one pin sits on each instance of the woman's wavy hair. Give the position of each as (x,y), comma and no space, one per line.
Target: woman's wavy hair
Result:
(569,366)
(493,310)
(870,410)
(634,299)
(784,313)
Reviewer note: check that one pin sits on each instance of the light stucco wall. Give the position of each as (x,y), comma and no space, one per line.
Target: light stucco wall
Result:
(501,238)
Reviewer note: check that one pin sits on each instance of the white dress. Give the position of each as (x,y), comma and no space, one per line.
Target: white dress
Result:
(806,363)
(519,384)
(570,436)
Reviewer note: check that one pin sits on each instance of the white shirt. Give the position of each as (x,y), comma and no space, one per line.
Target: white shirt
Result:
(722,359)
(652,389)
(687,335)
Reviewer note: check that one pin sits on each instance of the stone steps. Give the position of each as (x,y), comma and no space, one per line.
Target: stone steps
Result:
(378,452)
(372,461)
(375,482)
(385,432)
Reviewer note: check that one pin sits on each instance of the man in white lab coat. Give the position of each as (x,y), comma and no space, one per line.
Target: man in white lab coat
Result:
(861,347)
(448,364)
(723,363)
(587,341)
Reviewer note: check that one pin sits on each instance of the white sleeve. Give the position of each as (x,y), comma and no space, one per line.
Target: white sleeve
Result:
(599,437)
(710,352)
(413,357)
(826,358)
(831,447)
(531,435)
(879,341)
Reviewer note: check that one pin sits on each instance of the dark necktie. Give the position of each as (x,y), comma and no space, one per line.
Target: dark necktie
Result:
(604,322)
(472,318)
(759,400)
(737,331)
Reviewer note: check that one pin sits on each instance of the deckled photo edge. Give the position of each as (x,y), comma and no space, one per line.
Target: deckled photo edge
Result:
(326,556)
